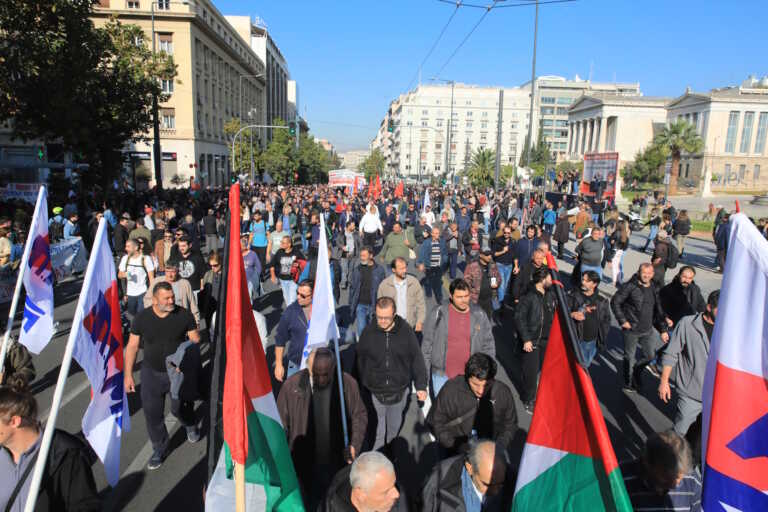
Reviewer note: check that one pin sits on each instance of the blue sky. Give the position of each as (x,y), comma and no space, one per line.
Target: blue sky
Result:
(351,58)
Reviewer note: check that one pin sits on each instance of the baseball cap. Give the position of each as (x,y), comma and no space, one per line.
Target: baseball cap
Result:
(57,210)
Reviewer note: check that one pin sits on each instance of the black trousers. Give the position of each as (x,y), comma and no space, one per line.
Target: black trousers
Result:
(261,252)
(154,386)
(560,246)
(531,366)
(434,283)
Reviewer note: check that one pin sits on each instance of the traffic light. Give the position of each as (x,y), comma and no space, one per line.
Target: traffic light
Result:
(292,128)
(390,126)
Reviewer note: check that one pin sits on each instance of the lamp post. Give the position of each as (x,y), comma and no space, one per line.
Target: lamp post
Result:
(240,114)
(533,90)
(450,128)
(156,153)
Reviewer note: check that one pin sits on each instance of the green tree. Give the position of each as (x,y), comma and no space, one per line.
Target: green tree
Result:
(648,165)
(373,164)
(314,161)
(246,147)
(65,81)
(481,168)
(508,172)
(676,138)
(279,159)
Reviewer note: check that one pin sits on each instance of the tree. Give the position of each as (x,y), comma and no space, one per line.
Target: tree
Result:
(508,172)
(373,164)
(481,168)
(279,159)
(65,81)
(314,161)
(246,148)
(178,180)
(648,165)
(676,138)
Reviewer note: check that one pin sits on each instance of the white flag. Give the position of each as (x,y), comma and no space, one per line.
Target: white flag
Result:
(98,349)
(37,325)
(322,325)
(426,201)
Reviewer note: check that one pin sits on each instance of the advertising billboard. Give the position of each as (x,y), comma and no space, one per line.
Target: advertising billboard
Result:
(599,178)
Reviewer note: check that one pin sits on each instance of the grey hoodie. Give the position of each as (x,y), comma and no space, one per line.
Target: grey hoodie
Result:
(687,352)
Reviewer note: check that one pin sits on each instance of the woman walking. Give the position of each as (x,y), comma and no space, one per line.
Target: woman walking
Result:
(619,243)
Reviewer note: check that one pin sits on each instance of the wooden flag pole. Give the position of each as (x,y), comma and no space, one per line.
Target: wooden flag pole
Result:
(239,488)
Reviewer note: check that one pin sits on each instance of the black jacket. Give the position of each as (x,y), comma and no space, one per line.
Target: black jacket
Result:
(456,401)
(339,493)
(678,302)
(519,284)
(628,301)
(682,227)
(67,483)
(388,361)
(576,299)
(442,491)
(533,316)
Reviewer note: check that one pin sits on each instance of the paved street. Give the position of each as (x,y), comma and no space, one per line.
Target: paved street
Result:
(179,482)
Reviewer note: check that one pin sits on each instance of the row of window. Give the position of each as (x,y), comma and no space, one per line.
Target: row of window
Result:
(468,113)
(746,132)
(549,100)
(551,111)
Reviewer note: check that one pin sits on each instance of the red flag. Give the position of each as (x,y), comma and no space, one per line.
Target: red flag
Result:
(378,186)
(399,189)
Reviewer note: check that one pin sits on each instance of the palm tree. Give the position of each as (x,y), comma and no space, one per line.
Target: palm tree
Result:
(676,138)
(481,167)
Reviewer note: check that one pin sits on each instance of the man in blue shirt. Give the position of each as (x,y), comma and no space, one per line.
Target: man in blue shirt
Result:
(292,328)
(71,229)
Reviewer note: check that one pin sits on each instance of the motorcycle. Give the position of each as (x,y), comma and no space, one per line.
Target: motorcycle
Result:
(633,219)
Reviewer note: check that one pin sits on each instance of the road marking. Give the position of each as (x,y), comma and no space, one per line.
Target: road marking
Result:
(608,363)
(71,395)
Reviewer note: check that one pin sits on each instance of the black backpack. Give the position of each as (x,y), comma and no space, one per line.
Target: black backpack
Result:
(56,231)
(673,256)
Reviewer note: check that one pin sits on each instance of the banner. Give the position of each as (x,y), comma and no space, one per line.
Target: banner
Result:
(24,191)
(68,257)
(599,175)
(344,178)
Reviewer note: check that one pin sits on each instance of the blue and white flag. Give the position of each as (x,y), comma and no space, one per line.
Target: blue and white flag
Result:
(322,326)
(426,201)
(98,349)
(37,325)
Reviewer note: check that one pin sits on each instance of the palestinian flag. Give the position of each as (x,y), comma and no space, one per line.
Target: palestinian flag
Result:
(253,432)
(568,462)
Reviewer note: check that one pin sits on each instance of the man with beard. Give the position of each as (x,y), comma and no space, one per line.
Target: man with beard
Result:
(687,353)
(191,263)
(310,409)
(592,315)
(162,329)
(682,297)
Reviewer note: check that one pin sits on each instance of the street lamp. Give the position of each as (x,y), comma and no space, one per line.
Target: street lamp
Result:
(240,113)
(450,127)
(156,154)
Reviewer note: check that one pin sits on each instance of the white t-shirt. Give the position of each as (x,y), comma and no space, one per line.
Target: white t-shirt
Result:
(136,273)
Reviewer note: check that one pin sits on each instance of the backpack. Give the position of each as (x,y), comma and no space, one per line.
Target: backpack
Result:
(673,256)
(56,231)
(297,269)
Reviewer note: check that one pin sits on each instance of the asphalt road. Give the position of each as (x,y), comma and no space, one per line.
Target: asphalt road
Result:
(179,483)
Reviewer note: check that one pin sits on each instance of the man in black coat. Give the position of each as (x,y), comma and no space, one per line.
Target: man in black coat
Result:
(638,311)
(591,314)
(474,406)
(682,297)
(474,481)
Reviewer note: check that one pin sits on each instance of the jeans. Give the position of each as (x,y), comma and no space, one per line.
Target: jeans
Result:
(362,317)
(505,271)
(549,228)
(292,369)
(617,267)
(649,342)
(687,410)
(154,386)
(434,283)
(588,350)
(134,305)
(438,381)
(289,290)
(596,268)
(651,236)
(304,243)
(389,419)
(453,262)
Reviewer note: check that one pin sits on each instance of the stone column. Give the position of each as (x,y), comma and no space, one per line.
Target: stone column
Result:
(570,137)
(603,135)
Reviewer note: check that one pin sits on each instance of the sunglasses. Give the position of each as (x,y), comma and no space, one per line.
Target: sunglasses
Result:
(304,296)
(215,265)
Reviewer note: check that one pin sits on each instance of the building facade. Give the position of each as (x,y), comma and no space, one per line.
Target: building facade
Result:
(417,145)
(733,123)
(353,159)
(208,91)
(554,95)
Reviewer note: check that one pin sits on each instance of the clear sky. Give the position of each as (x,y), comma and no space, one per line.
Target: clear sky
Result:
(352,57)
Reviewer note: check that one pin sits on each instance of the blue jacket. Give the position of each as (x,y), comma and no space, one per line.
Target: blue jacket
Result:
(292,329)
(377,276)
(463,222)
(425,252)
(525,248)
(550,217)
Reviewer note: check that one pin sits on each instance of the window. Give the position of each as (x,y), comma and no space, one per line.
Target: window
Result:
(163,5)
(469,124)
(166,43)
(425,112)
(564,101)
(762,128)
(484,124)
(727,172)
(742,172)
(483,136)
(547,101)
(424,123)
(199,121)
(439,123)
(733,128)
(561,111)
(756,173)
(469,113)
(696,121)
(133,4)
(513,125)
(438,145)
(469,102)
(687,169)
(168,118)
(485,114)
(546,122)
(746,132)
(167,86)
(547,111)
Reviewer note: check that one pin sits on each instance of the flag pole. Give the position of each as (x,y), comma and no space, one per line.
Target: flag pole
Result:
(19,280)
(45,443)
(339,377)
(563,306)
(219,359)
(239,487)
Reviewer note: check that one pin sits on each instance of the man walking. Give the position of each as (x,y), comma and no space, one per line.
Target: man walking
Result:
(590,252)
(682,297)
(483,278)
(452,333)
(504,255)
(161,329)
(364,281)
(592,315)
(637,309)
(350,243)
(292,331)
(138,271)
(388,361)
(687,353)
(431,259)
(281,267)
(182,291)
(407,293)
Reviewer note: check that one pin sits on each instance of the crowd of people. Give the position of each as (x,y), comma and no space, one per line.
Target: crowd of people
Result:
(396,256)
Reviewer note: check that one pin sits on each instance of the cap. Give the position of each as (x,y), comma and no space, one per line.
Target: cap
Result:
(57,210)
